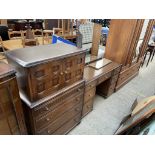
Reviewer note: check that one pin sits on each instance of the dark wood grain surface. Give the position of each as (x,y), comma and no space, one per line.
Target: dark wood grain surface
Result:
(5,70)
(31,56)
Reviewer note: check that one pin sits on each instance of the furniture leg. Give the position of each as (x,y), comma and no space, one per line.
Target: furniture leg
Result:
(149,59)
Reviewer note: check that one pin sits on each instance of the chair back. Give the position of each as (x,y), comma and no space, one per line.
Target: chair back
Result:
(1,44)
(14,34)
(38,33)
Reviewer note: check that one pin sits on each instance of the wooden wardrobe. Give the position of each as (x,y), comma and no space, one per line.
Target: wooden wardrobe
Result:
(121,47)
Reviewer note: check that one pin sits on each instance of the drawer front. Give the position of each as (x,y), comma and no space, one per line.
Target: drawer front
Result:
(87,107)
(51,128)
(57,112)
(89,94)
(117,70)
(127,74)
(104,77)
(60,99)
(68,126)
(90,85)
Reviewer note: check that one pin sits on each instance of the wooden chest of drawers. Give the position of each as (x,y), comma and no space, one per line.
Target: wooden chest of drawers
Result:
(90,90)
(47,69)
(102,80)
(55,114)
(11,112)
(127,74)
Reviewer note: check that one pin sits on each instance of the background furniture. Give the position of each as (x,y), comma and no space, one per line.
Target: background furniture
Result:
(151,51)
(17,43)
(18,25)
(4,33)
(11,112)
(1,45)
(14,34)
(121,47)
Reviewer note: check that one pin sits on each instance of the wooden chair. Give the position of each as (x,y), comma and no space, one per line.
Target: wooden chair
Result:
(29,42)
(1,44)
(47,35)
(38,33)
(15,34)
(151,52)
(2,57)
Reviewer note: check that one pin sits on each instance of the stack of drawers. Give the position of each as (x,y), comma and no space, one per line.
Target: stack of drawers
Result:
(55,111)
(90,90)
(102,81)
(52,88)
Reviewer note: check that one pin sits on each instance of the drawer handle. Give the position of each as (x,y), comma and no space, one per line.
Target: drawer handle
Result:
(61,73)
(79,89)
(91,85)
(77,109)
(46,108)
(48,131)
(66,72)
(47,119)
(88,106)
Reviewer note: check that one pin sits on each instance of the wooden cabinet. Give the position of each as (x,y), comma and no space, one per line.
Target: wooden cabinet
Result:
(101,80)
(55,114)
(52,68)
(11,112)
(90,90)
(121,47)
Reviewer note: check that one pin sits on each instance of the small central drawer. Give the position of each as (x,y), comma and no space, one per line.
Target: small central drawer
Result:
(104,77)
(90,85)
(89,94)
(87,107)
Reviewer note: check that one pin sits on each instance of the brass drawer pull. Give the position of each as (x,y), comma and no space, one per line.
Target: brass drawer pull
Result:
(47,119)
(46,108)
(48,131)
(91,85)
(79,89)
(88,106)
(61,73)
